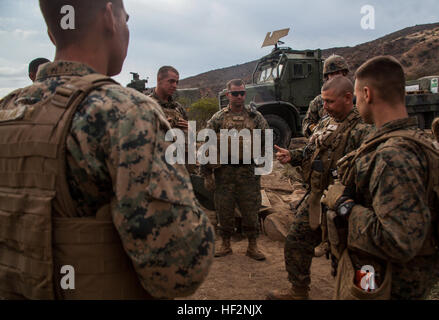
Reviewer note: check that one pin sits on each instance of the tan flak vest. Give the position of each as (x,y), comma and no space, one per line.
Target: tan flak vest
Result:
(39,233)
(239,122)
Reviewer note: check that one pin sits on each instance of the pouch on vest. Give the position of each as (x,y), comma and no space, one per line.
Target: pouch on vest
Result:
(337,234)
(346,289)
(315,194)
(242,143)
(314,209)
(238,148)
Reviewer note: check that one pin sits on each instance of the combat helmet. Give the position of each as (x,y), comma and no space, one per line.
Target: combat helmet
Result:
(334,63)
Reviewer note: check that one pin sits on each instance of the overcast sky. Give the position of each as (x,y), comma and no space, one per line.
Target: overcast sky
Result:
(197,36)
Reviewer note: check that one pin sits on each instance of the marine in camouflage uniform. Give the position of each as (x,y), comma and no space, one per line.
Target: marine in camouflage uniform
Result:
(115,158)
(333,66)
(331,140)
(116,153)
(392,222)
(237,184)
(167,81)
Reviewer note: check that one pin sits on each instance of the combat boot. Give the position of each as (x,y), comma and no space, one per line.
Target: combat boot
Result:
(321,249)
(225,248)
(294,293)
(253,251)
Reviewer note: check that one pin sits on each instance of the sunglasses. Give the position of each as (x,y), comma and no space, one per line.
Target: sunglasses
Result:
(237,93)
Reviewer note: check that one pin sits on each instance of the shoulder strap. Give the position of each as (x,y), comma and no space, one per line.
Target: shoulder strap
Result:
(344,140)
(373,142)
(69,96)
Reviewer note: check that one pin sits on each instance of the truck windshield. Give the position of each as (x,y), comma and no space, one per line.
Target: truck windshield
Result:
(268,71)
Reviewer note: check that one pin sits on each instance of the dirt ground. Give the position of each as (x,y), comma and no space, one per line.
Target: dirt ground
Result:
(237,277)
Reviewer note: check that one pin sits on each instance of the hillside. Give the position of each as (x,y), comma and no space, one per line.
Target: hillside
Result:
(416,47)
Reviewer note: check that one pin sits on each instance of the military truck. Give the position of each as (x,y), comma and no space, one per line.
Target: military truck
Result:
(286,80)
(422,100)
(282,85)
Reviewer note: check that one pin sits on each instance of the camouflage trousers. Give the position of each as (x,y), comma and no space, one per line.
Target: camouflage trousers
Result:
(237,185)
(299,246)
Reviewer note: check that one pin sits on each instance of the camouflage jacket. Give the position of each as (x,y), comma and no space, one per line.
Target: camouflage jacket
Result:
(326,144)
(391,218)
(313,115)
(170,104)
(115,153)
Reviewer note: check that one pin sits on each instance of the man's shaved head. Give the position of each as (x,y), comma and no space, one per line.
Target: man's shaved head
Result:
(85,16)
(341,85)
(337,94)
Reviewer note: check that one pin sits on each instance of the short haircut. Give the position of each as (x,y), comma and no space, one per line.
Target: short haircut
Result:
(235,82)
(340,84)
(34,64)
(386,75)
(85,17)
(163,72)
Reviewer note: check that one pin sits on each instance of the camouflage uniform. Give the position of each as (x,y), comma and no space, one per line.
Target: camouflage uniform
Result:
(302,239)
(173,112)
(391,218)
(171,108)
(237,183)
(115,153)
(313,115)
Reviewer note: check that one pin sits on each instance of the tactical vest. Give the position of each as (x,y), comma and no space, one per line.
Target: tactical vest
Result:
(431,150)
(331,144)
(39,233)
(239,122)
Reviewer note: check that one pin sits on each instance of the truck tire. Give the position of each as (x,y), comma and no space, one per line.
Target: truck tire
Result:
(282,132)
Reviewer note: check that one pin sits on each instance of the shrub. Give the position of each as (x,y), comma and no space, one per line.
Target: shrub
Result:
(202,110)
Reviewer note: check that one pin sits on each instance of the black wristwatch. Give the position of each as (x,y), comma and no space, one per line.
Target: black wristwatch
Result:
(345,208)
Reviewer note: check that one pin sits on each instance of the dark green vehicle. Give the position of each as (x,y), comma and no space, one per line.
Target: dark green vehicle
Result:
(422,100)
(283,84)
(286,80)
